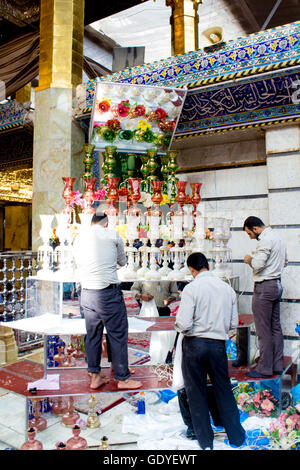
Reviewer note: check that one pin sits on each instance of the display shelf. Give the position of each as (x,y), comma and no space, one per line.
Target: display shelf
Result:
(60,297)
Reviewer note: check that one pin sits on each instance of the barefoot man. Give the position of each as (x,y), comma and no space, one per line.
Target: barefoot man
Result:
(98,251)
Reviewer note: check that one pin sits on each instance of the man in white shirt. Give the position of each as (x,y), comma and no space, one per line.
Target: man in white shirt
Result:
(206,314)
(267,263)
(97,253)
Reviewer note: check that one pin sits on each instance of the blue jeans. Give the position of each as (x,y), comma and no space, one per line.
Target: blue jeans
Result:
(202,357)
(106,308)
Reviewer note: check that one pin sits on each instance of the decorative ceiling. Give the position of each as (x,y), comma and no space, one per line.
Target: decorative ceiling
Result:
(22,16)
(257,15)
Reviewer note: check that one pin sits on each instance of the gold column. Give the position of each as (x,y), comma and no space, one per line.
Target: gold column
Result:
(8,345)
(61,43)
(24,94)
(184,25)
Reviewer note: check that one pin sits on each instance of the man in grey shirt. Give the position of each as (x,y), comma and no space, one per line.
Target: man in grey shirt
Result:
(267,263)
(97,253)
(163,292)
(206,314)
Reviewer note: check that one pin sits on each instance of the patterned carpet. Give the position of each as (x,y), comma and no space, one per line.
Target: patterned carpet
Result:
(138,349)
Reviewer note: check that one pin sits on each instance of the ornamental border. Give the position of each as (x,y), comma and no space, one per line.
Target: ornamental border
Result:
(10,126)
(234,128)
(242,73)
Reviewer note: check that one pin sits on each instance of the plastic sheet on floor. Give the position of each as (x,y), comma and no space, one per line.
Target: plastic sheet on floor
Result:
(162,428)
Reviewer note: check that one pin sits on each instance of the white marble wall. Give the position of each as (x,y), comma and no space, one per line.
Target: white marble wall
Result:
(283,170)
(57,152)
(225,153)
(270,191)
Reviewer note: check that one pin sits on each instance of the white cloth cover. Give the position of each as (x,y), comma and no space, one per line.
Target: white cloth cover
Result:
(177,370)
(161,342)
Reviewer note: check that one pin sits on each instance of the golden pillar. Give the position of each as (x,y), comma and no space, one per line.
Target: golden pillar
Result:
(58,138)
(24,94)
(184,25)
(61,43)
(8,346)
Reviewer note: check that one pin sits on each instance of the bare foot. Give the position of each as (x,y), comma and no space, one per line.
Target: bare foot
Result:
(97,381)
(103,376)
(129,384)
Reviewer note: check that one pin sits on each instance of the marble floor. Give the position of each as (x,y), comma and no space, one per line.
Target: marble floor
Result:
(13,428)
(161,428)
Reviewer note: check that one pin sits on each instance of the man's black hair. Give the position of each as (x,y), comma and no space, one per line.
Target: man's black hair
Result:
(253,221)
(98,218)
(197,261)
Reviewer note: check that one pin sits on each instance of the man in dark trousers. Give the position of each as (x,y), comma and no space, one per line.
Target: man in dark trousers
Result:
(97,254)
(267,263)
(206,314)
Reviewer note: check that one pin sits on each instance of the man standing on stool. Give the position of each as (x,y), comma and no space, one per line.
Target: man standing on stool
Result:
(267,263)
(97,253)
(206,314)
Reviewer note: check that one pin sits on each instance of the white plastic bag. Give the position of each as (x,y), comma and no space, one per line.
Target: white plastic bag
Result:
(178,382)
(160,344)
(149,309)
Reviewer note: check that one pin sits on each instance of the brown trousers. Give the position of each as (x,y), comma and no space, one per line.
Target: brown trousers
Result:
(266,312)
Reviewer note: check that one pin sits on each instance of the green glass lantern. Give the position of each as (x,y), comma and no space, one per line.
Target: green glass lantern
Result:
(152,166)
(124,169)
(104,169)
(145,172)
(173,167)
(165,172)
(110,160)
(131,164)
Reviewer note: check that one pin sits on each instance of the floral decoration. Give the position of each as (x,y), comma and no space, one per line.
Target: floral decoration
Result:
(126,134)
(284,433)
(124,108)
(190,233)
(104,106)
(122,229)
(143,229)
(123,192)
(79,203)
(109,135)
(142,123)
(100,194)
(208,234)
(148,136)
(113,124)
(140,110)
(77,200)
(260,403)
(165,199)
(146,199)
(54,240)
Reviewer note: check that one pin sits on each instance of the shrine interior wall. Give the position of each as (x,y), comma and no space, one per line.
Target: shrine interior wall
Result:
(236,178)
